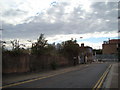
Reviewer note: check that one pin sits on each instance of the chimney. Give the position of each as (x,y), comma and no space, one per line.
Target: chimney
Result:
(108,40)
(82,45)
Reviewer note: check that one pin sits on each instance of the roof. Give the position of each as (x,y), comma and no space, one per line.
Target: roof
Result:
(114,41)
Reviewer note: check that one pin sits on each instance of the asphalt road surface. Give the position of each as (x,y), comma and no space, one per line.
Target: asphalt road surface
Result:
(85,77)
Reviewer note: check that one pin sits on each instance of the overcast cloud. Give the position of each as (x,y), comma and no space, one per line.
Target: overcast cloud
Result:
(70,19)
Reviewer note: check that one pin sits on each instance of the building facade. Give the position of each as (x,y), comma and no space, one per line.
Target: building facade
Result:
(110,46)
(86,54)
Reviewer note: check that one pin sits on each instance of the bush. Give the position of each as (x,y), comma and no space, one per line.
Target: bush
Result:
(54,65)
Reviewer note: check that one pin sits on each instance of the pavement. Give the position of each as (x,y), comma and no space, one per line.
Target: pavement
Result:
(81,76)
(13,78)
(110,82)
(112,78)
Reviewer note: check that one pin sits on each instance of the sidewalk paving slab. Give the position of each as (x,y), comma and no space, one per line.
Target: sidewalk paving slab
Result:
(112,78)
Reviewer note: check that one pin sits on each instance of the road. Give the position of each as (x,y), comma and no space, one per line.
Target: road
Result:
(85,77)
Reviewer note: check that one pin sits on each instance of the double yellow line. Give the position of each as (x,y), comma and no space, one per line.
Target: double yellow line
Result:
(15,84)
(19,83)
(98,84)
(102,78)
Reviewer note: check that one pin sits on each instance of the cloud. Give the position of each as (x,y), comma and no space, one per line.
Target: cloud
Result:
(59,38)
(60,19)
(14,13)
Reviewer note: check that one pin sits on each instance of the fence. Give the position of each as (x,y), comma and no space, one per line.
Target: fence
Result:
(106,57)
(27,63)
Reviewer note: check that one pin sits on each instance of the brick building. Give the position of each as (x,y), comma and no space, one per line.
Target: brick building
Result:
(110,46)
(86,54)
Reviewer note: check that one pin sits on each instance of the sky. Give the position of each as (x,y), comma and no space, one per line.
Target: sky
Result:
(60,20)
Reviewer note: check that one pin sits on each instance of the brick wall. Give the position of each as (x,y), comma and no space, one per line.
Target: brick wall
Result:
(13,64)
(109,49)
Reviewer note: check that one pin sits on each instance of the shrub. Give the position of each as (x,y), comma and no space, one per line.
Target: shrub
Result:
(54,65)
